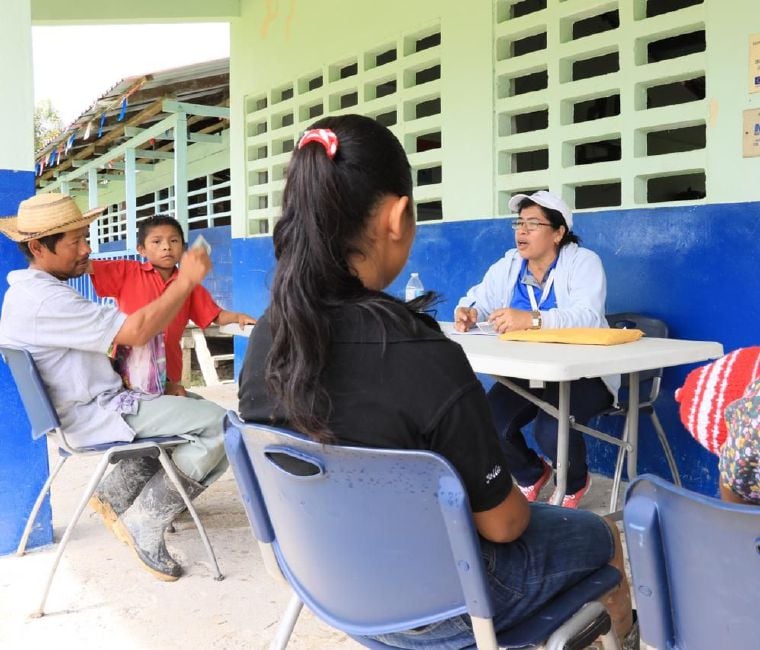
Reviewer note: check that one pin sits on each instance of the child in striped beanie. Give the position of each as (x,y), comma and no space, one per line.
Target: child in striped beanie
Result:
(720,407)
(708,390)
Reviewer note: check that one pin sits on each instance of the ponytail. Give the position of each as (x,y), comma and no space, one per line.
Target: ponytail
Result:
(334,183)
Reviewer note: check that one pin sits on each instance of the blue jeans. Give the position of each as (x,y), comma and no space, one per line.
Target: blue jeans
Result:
(559,548)
(511,412)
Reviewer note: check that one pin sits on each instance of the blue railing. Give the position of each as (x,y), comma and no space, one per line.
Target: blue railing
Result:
(83,284)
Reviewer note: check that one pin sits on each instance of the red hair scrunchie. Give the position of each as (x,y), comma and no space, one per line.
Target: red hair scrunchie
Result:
(325,137)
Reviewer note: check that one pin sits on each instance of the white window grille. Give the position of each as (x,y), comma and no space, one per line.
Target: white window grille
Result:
(603,101)
(208,202)
(396,82)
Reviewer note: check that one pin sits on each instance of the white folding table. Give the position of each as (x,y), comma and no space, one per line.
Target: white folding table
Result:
(564,363)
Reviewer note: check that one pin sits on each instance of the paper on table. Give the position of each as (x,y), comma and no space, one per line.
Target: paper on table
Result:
(234,328)
(484,329)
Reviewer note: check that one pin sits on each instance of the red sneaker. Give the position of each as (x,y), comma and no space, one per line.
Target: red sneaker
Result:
(531,491)
(573,500)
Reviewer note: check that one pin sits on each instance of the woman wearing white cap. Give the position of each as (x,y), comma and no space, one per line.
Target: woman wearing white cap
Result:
(547,281)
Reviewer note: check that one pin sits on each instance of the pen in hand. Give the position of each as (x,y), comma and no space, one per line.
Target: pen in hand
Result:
(464,319)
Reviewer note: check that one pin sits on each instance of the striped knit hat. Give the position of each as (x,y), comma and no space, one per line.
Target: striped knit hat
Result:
(708,390)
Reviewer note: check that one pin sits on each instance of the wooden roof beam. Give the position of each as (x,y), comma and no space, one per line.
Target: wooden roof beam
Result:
(154,154)
(172,106)
(154,109)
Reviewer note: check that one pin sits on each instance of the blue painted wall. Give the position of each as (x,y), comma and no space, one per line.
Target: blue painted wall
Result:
(696,267)
(219,281)
(23,463)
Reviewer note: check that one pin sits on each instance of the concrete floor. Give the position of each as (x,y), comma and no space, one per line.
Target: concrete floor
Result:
(102,598)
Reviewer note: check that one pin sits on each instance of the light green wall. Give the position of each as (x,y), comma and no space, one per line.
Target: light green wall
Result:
(269,50)
(296,38)
(273,42)
(98,12)
(16,88)
(730,23)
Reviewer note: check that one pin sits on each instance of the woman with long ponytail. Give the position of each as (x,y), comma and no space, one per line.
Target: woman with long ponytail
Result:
(341,361)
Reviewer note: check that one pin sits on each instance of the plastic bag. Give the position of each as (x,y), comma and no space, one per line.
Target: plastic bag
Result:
(143,368)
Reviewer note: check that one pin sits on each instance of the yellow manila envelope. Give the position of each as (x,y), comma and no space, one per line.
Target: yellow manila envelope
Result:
(577,335)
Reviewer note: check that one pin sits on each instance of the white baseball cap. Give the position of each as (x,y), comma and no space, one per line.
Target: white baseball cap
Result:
(547,200)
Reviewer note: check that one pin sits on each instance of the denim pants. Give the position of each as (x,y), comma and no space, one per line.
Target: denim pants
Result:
(511,412)
(201,422)
(559,548)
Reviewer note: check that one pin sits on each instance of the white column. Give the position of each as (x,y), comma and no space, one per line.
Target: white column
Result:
(23,463)
(180,171)
(92,202)
(16,86)
(130,190)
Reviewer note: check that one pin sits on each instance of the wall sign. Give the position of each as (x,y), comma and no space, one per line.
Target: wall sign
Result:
(751,133)
(754,63)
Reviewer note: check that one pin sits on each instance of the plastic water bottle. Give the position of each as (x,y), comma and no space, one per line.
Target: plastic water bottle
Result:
(414,287)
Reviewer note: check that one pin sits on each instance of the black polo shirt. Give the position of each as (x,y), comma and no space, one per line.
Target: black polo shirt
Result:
(395,385)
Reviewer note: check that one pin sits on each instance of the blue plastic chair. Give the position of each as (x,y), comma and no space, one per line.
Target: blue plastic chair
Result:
(649,391)
(695,563)
(375,541)
(44,421)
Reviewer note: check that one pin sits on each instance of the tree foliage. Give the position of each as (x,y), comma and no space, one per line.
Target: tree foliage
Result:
(47,123)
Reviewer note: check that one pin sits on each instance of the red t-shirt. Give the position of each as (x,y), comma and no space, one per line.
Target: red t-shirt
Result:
(134,284)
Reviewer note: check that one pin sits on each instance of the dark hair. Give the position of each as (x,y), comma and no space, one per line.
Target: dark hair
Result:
(143,230)
(326,205)
(48,241)
(556,220)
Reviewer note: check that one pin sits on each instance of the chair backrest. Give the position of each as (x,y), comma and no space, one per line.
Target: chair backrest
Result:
(371,540)
(695,563)
(652,327)
(42,416)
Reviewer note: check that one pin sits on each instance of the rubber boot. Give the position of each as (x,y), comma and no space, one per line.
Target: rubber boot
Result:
(121,486)
(143,525)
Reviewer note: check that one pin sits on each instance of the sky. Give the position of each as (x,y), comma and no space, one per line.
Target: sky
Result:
(74,65)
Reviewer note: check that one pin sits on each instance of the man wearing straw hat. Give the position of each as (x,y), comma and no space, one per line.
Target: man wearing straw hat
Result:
(70,337)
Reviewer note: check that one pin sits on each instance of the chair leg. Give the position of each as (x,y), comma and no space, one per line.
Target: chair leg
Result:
(618,475)
(591,620)
(168,466)
(287,623)
(270,562)
(485,636)
(610,641)
(38,504)
(89,490)
(665,447)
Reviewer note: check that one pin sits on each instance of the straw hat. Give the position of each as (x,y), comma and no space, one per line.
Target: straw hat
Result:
(46,214)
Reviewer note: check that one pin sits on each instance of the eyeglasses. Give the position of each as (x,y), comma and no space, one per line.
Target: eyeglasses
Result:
(531,225)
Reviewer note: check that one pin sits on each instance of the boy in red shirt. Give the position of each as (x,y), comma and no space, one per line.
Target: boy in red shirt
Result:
(134,284)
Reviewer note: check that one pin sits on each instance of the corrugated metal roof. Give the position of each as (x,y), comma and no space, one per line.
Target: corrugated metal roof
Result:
(204,83)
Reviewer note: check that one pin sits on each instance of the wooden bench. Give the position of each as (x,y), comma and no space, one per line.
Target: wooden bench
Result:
(194,338)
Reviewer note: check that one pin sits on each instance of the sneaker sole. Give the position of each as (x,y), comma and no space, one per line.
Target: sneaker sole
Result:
(586,489)
(537,486)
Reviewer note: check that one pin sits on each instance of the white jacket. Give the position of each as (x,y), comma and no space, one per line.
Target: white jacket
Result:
(580,287)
